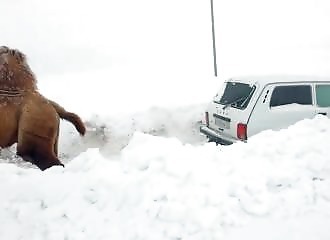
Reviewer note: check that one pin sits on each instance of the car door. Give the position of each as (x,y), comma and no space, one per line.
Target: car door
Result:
(281,105)
(231,107)
(322,95)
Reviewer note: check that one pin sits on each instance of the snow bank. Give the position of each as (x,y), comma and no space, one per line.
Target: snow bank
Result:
(161,188)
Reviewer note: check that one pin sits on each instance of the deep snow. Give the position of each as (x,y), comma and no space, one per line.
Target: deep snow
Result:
(274,187)
(140,75)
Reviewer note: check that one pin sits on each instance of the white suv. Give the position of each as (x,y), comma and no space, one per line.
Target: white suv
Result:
(246,106)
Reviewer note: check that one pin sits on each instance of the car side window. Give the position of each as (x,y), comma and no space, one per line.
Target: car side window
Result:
(323,95)
(299,94)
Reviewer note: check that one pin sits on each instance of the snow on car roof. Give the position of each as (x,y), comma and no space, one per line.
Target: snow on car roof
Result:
(267,79)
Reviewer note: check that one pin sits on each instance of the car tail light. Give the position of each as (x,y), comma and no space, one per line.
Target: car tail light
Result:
(207,119)
(242,131)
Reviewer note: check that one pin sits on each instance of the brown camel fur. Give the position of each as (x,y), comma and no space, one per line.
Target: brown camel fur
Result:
(16,75)
(30,120)
(27,117)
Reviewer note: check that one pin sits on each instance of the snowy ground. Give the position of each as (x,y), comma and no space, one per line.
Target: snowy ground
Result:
(156,187)
(139,73)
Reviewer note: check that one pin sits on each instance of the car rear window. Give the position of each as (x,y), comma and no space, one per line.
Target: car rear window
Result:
(299,94)
(237,95)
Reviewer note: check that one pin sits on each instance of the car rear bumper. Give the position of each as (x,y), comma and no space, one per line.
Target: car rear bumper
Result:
(213,136)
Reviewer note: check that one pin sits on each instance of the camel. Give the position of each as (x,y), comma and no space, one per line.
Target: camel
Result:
(26,116)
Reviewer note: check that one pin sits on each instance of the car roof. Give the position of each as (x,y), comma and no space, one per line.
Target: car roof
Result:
(268,79)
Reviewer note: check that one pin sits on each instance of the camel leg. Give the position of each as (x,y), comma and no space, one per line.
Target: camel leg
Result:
(25,153)
(45,155)
(56,147)
(37,150)
(56,141)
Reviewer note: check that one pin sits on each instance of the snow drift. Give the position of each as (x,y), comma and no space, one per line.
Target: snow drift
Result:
(159,187)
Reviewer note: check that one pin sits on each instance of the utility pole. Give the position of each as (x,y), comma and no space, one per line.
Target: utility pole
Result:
(213,40)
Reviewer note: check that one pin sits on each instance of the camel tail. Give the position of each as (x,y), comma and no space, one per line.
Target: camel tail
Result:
(71,117)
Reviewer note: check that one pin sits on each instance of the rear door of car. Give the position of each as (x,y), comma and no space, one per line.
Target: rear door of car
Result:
(281,105)
(230,107)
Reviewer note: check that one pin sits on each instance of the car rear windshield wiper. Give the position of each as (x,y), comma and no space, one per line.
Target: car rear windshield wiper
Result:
(244,99)
(235,101)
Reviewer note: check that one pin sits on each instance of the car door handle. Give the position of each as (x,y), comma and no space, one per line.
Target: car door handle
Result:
(323,113)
